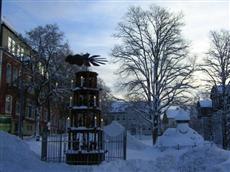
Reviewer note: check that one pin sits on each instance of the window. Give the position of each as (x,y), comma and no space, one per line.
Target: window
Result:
(18,51)
(8,73)
(9,42)
(8,104)
(22,52)
(11,45)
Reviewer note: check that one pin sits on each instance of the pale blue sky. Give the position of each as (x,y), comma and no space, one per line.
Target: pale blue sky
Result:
(89,24)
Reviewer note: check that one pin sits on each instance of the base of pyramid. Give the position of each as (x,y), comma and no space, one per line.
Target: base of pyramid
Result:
(85,158)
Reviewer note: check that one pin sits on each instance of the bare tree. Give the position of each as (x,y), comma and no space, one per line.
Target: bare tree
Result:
(217,69)
(50,75)
(106,96)
(153,60)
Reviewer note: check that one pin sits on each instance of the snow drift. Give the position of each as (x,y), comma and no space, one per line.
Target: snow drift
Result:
(135,144)
(182,136)
(15,156)
(114,129)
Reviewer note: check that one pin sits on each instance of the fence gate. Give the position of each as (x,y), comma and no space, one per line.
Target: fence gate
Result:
(115,146)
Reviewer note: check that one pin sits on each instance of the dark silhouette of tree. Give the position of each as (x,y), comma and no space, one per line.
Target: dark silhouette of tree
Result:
(217,69)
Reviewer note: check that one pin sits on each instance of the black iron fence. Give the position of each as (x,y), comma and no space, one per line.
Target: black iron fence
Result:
(115,146)
(55,147)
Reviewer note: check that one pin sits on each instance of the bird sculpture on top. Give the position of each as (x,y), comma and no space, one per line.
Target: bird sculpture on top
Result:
(85,60)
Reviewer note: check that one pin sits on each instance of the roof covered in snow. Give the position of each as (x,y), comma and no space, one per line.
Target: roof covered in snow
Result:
(118,106)
(177,113)
(182,115)
(181,136)
(172,111)
(205,103)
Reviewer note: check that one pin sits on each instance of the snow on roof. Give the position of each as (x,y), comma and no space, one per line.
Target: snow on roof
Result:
(182,115)
(118,106)
(177,113)
(172,111)
(114,129)
(205,103)
(181,136)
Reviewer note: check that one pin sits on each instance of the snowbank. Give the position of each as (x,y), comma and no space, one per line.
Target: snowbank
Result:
(182,136)
(15,156)
(205,158)
(135,144)
(114,129)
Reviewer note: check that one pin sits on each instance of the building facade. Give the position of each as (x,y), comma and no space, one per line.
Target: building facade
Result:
(12,72)
(124,113)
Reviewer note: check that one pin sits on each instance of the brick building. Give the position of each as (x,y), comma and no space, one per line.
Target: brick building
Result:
(13,49)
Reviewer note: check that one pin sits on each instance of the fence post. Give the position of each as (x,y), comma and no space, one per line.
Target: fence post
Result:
(124,144)
(44,147)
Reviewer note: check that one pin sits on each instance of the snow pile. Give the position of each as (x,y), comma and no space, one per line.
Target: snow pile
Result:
(204,158)
(114,129)
(207,158)
(135,144)
(15,154)
(138,165)
(182,136)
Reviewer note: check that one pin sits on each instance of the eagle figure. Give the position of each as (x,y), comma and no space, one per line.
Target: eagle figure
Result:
(85,60)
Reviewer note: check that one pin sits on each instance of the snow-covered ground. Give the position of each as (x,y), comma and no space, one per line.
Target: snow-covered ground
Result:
(23,156)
